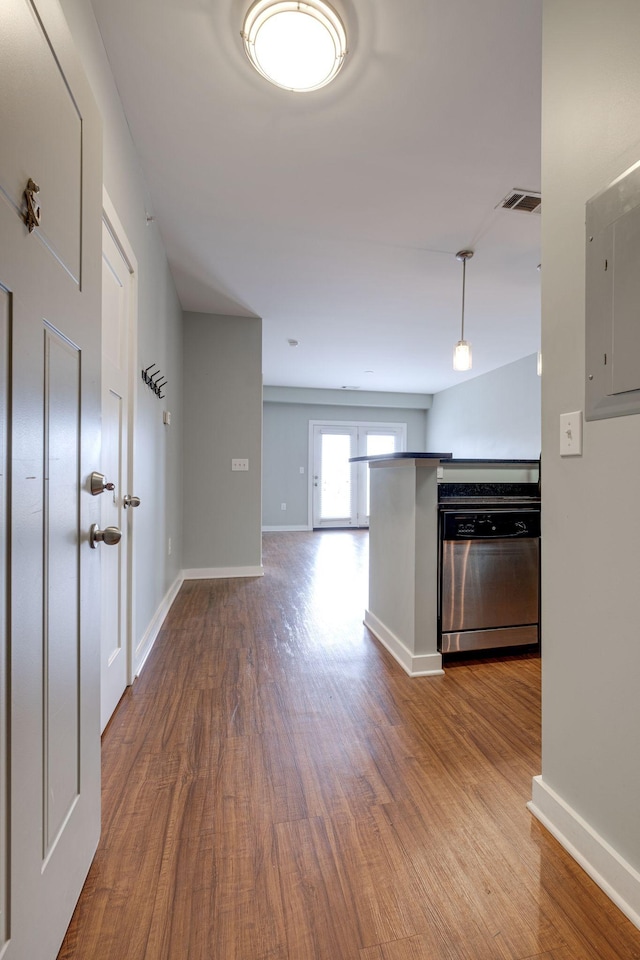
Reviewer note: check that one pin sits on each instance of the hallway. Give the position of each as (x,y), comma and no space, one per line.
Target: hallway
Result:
(276,788)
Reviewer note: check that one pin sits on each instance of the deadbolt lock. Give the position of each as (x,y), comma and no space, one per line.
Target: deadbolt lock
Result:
(98,483)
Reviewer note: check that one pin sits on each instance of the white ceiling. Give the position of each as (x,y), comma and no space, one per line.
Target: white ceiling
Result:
(336,215)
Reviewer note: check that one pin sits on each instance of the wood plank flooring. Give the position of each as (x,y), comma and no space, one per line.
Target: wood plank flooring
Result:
(276,788)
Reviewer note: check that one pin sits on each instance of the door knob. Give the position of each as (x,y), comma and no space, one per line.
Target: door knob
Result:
(129,501)
(98,483)
(110,535)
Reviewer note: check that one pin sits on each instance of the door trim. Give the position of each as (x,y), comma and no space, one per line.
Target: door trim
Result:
(117,231)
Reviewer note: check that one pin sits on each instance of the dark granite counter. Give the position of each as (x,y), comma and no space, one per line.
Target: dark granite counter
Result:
(479,460)
(401,456)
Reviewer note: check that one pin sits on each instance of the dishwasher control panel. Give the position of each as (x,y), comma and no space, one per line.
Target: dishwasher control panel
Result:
(490,525)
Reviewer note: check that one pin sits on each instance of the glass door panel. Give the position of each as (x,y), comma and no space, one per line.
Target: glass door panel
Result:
(334,495)
(335,482)
(375,444)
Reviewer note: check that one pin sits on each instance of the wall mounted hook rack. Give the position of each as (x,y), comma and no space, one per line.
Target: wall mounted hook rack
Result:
(155,380)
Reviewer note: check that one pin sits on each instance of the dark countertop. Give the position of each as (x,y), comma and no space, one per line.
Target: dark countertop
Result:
(532,460)
(402,456)
(445,457)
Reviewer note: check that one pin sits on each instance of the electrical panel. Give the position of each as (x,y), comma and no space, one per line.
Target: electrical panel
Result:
(613,299)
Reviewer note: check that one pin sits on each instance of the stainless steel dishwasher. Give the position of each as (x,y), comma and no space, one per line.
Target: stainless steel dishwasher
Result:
(489,577)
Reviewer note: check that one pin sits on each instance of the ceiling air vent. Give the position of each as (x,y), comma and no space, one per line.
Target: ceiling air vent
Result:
(526,200)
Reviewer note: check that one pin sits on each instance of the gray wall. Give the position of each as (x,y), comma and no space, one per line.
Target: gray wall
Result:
(495,415)
(591,560)
(286,449)
(157,448)
(223,421)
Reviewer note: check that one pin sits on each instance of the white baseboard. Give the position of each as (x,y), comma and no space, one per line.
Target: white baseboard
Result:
(619,880)
(222,573)
(143,649)
(295,529)
(416,665)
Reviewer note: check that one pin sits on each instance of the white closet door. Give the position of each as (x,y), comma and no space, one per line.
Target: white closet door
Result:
(118,326)
(50,355)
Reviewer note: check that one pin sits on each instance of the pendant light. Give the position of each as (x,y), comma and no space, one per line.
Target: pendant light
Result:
(462,349)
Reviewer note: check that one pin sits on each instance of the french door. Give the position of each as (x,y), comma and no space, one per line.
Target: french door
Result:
(340,488)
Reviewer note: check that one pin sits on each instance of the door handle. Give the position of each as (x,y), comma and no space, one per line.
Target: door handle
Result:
(98,483)
(129,501)
(109,536)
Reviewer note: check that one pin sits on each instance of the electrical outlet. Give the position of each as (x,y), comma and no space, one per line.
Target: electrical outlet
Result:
(571,434)
(169,547)
(166,417)
(283,506)
(301,469)
(239,464)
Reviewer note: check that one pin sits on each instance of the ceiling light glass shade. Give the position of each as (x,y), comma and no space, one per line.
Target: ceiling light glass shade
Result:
(462,355)
(297,46)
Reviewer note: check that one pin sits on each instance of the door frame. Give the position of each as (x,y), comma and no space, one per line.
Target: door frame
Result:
(374,424)
(114,226)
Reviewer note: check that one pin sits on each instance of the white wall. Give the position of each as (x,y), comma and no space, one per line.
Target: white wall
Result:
(157,448)
(495,415)
(286,449)
(223,421)
(590,786)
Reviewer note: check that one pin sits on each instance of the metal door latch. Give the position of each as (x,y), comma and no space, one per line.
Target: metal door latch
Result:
(129,501)
(32,215)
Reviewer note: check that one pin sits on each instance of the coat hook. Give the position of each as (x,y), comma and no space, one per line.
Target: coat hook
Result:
(156,381)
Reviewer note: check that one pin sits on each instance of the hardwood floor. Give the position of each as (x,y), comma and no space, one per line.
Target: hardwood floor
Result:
(276,788)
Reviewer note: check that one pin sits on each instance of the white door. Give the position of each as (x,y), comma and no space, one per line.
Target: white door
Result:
(118,303)
(50,356)
(334,493)
(340,488)
(374,441)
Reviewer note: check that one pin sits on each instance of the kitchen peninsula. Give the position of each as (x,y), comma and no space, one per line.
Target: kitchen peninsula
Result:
(402,610)
(403,558)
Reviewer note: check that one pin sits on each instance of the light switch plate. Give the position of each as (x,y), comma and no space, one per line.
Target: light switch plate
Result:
(239,464)
(571,434)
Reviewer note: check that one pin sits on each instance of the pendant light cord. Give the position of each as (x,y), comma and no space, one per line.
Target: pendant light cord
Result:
(464,271)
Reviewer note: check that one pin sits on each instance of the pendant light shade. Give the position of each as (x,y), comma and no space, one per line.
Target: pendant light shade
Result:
(297,45)
(462,355)
(462,349)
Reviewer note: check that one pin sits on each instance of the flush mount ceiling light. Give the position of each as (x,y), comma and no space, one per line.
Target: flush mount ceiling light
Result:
(297,46)
(462,349)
